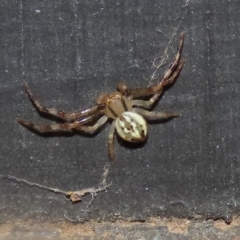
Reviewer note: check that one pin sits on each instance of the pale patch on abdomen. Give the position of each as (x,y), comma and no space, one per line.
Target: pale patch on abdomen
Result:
(132,127)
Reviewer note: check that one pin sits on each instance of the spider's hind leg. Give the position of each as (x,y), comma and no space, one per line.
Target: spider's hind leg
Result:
(65,127)
(56,127)
(153,116)
(111,142)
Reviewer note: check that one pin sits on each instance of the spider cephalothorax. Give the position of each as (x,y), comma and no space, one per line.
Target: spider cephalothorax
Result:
(128,113)
(130,126)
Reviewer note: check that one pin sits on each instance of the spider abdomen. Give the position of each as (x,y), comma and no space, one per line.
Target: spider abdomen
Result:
(131,127)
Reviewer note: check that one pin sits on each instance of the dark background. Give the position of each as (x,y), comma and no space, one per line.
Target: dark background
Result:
(69,52)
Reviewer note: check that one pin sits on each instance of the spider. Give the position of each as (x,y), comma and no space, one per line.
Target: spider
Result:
(127,112)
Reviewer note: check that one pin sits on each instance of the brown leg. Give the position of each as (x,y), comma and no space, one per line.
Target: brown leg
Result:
(150,115)
(56,127)
(152,100)
(63,115)
(167,79)
(111,141)
(64,127)
(92,129)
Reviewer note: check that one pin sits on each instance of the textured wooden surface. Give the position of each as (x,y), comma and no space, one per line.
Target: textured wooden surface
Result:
(69,52)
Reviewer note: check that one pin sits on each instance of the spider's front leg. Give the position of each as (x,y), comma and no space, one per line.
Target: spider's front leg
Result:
(148,104)
(67,116)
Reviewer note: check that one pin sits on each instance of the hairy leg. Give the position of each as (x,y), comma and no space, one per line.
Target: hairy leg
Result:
(92,129)
(63,127)
(111,141)
(55,127)
(67,116)
(151,115)
(167,79)
(148,104)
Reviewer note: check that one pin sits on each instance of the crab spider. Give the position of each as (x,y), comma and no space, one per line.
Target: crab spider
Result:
(127,112)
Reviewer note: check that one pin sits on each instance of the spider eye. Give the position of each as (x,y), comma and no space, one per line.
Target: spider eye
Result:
(131,127)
